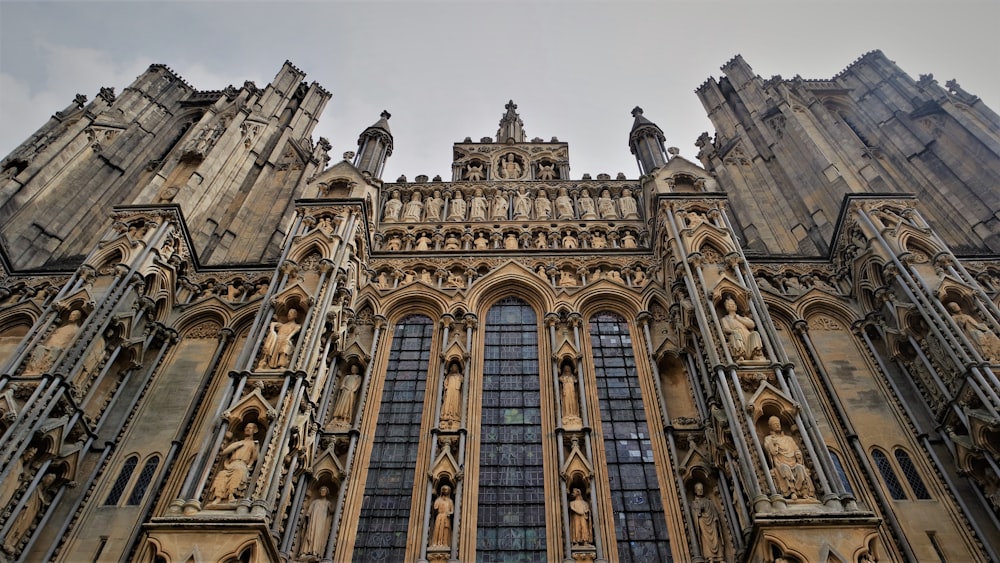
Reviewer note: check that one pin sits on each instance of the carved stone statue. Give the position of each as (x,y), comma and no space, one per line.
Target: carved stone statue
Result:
(451,242)
(709,524)
(343,407)
(423,242)
(46,354)
(510,242)
(392,207)
(580,530)
(474,172)
(279,342)
(598,241)
(568,240)
(587,207)
(510,169)
(744,342)
(567,279)
(522,205)
(787,468)
(979,333)
(628,205)
(546,171)
(478,211)
(543,206)
(564,205)
(238,459)
(500,205)
(628,240)
(414,209)
(606,206)
(451,403)
(38,500)
(481,243)
(444,507)
(569,397)
(319,517)
(433,207)
(541,241)
(456,211)
(394,244)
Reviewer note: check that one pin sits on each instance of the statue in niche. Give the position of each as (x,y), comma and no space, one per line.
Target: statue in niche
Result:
(568,240)
(510,169)
(500,206)
(451,403)
(478,211)
(546,171)
(394,244)
(639,279)
(587,207)
(510,243)
(319,517)
(238,459)
(709,523)
(234,291)
(451,242)
(444,507)
(979,333)
(628,240)
(564,205)
(568,397)
(279,342)
(455,280)
(522,204)
(787,468)
(694,219)
(744,341)
(423,242)
(434,206)
(580,530)
(383,281)
(425,276)
(46,354)
(414,209)
(325,225)
(567,279)
(392,207)
(38,501)
(541,241)
(456,211)
(598,241)
(606,205)
(543,207)
(481,243)
(628,205)
(343,407)
(474,172)
(18,476)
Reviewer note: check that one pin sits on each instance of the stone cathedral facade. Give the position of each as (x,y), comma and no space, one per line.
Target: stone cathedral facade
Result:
(219,345)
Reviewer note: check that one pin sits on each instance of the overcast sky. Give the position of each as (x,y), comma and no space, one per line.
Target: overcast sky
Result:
(445,69)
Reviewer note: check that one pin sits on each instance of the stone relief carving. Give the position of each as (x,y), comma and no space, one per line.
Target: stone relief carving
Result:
(744,342)
(979,333)
(238,460)
(45,355)
(787,466)
(280,342)
(393,207)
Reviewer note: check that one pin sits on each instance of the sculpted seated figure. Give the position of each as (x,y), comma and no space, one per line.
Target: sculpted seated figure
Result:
(237,460)
(979,333)
(744,341)
(787,468)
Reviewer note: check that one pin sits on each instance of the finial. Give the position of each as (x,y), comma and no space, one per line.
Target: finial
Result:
(510,106)
(385,114)
(637,111)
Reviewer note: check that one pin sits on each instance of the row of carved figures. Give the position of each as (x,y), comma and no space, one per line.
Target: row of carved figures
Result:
(504,205)
(512,240)
(444,278)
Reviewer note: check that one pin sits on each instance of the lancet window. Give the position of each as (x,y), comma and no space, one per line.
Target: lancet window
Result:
(118,489)
(888,475)
(911,474)
(145,477)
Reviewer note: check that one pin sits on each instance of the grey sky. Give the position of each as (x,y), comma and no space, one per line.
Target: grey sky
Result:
(445,69)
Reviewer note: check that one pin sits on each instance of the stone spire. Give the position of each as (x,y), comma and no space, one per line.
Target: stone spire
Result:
(374,147)
(511,127)
(646,143)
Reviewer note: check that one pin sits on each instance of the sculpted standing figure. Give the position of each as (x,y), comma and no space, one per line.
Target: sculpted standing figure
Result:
(979,333)
(499,206)
(569,397)
(522,205)
(279,345)
(709,523)
(46,354)
(451,403)
(38,500)
(392,207)
(628,205)
(564,205)
(414,209)
(238,459)
(580,530)
(433,207)
(787,468)
(744,342)
(587,208)
(456,211)
(606,206)
(543,207)
(444,507)
(318,520)
(343,408)
(478,211)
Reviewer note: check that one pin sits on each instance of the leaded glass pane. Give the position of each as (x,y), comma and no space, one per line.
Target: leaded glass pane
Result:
(840,471)
(640,525)
(912,477)
(385,511)
(145,476)
(888,475)
(123,477)
(511,485)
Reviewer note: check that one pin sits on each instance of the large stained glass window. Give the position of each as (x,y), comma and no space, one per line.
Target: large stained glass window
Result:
(640,526)
(511,485)
(385,512)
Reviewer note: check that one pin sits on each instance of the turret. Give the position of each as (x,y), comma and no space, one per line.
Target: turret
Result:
(511,127)
(646,143)
(374,147)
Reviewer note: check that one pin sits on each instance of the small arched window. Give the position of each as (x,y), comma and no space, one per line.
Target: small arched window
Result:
(839,467)
(145,477)
(888,475)
(911,474)
(122,481)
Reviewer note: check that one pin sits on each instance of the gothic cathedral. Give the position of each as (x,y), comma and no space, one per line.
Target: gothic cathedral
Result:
(217,345)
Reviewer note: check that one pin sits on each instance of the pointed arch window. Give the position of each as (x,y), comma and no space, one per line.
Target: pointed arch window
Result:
(511,514)
(385,512)
(640,525)
(145,477)
(911,474)
(888,475)
(839,467)
(118,489)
